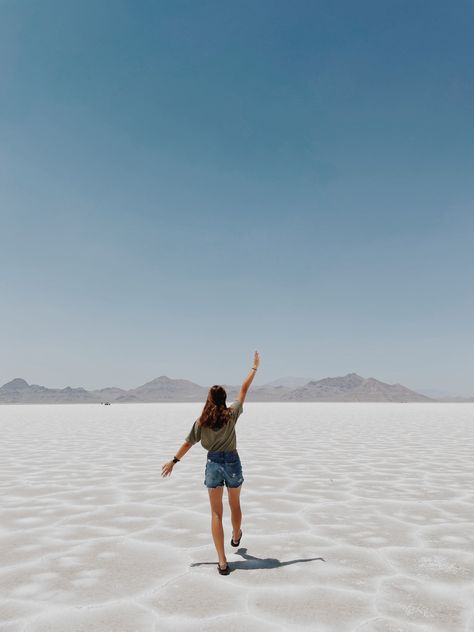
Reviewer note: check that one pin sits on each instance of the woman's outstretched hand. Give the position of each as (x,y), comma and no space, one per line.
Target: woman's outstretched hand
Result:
(167,469)
(256,359)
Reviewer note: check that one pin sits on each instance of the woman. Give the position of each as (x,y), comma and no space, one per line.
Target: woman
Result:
(215,428)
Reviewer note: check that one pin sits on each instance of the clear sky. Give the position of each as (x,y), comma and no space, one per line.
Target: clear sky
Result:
(185,182)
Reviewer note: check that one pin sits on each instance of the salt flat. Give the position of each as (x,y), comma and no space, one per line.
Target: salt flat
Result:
(356,517)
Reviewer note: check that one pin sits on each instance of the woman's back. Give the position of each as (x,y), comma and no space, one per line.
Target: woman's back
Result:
(223,439)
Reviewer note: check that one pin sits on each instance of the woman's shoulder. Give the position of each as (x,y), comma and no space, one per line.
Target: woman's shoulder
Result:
(237,406)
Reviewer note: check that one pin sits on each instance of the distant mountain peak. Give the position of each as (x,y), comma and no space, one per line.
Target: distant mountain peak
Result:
(161,378)
(353,387)
(289,381)
(18,383)
(348,381)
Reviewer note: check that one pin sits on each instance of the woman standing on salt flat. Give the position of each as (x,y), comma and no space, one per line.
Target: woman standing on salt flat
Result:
(215,428)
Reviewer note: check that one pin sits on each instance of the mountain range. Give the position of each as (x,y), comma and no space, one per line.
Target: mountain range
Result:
(348,388)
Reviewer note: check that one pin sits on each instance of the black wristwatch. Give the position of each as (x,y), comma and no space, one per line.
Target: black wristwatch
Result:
(175,460)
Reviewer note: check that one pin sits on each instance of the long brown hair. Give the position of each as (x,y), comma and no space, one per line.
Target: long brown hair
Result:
(215,413)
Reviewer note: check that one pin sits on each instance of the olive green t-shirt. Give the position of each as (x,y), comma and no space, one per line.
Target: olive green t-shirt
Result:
(223,439)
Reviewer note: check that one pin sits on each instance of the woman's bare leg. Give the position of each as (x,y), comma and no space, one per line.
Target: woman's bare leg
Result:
(235,511)
(215,498)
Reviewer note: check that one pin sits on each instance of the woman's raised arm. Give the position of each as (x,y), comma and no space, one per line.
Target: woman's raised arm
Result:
(248,380)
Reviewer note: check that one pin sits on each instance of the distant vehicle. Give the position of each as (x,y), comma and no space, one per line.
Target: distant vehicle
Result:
(105,403)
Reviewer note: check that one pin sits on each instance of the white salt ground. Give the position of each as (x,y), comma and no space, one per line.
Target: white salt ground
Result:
(356,517)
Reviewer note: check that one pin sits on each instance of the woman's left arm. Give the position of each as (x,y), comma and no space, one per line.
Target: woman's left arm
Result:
(168,467)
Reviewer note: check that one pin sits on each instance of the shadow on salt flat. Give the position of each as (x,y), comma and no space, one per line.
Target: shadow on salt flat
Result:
(250,562)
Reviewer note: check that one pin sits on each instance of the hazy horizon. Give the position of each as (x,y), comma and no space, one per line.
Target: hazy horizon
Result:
(185,183)
(425,391)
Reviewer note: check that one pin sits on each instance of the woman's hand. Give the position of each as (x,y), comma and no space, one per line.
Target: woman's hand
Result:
(167,469)
(256,359)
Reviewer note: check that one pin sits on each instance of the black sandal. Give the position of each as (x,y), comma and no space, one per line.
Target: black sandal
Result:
(223,571)
(232,543)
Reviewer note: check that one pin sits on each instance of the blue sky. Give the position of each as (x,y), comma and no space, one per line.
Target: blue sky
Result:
(185,182)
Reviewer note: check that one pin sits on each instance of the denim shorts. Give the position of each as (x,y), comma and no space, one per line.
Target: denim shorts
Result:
(223,468)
